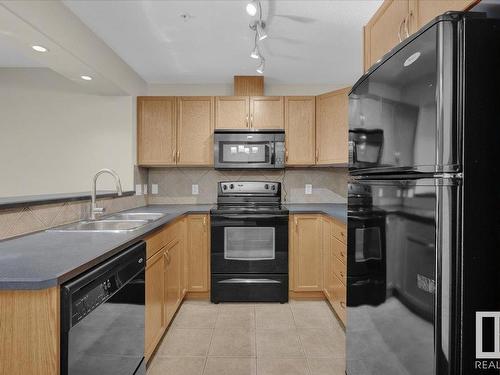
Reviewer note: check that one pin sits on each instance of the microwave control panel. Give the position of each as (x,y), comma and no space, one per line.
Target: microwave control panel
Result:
(279,153)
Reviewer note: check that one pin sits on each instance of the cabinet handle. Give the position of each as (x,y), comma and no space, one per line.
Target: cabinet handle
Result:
(296,224)
(342,304)
(286,155)
(399,30)
(407,24)
(178,156)
(251,121)
(173,156)
(317,155)
(248,124)
(205,222)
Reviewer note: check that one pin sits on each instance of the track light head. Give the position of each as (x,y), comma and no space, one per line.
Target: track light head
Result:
(252,8)
(261,67)
(261,33)
(255,53)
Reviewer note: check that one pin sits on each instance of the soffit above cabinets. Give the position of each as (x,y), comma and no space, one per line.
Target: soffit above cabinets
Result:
(310,41)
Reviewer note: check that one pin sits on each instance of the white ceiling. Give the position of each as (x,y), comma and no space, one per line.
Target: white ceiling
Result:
(310,41)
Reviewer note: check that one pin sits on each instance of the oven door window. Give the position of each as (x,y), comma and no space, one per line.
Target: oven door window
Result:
(244,152)
(368,245)
(249,243)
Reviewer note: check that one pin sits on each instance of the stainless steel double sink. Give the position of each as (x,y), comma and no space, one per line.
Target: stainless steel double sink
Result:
(116,223)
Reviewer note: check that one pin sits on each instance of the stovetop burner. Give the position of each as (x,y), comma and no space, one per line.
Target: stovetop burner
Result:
(249,197)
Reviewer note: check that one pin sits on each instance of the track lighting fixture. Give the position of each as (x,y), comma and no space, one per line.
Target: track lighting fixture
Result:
(258,26)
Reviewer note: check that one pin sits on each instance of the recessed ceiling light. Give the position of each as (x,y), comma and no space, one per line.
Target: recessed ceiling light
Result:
(39,48)
(86,78)
(252,8)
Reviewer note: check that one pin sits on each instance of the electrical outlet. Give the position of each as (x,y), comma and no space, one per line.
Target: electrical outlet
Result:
(138,189)
(309,189)
(145,189)
(194,189)
(154,189)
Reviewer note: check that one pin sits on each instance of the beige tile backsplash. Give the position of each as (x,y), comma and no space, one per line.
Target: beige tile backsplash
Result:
(23,220)
(174,184)
(174,187)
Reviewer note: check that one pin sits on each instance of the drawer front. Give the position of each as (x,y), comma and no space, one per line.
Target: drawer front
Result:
(339,232)
(339,250)
(154,243)
(340,270)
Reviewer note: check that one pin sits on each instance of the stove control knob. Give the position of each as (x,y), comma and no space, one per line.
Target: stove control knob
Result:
(231,186)
(273,187)
(266,186)
(224,187)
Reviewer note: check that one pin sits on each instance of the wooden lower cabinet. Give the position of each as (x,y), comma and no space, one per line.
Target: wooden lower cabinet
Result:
(338,269)
(155,301)
(306,254)
(327,257)
(173,278)
(198,254)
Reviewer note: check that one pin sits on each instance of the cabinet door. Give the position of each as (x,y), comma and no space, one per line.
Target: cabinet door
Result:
(339,299)
(156,130)
(300,129)
(198,255)
(232,112)
(422,11)
(332,128)
(327,257)
(267,112)
(155,302)
(195,129)
(307,253)
(173,274)
(385,28)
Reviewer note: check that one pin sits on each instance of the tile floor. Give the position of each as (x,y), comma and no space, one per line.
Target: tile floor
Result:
(299,338)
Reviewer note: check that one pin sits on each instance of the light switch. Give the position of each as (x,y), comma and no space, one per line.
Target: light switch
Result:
(154,189)
(138,189)
(194,189)
(309,189)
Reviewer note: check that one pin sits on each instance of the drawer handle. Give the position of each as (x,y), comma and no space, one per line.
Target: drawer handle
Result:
(249,281)
(342,304)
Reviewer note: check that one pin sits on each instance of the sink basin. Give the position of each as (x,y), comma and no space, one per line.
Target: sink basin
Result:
(148,216)
(114,226)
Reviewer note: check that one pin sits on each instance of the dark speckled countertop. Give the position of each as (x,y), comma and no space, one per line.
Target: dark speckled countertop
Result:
(46,259)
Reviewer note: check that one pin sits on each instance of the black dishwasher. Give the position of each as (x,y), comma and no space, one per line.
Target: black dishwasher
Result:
(102,317)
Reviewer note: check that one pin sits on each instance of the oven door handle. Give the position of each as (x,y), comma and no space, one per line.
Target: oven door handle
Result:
(248,281)
(254,216)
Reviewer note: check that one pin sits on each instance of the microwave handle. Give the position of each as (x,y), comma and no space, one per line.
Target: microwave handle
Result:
(273,153)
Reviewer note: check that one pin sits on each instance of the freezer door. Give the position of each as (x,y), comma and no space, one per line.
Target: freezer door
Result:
(401,270)
(402,115)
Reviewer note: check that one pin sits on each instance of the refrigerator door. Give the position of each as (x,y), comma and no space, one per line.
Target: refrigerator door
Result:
(402,114)
(402,265)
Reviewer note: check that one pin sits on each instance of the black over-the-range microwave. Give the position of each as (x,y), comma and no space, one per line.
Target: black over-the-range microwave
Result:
(249,149)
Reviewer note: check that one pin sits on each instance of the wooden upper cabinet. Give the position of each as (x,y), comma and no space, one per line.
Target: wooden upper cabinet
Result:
(267,112)
(300,130)
(307,253)
(232,112)
(194,130)
(423,11)
(156,130)
(385,28)
(332,112)
(198,253)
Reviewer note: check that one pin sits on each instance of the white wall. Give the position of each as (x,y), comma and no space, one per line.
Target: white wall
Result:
(227,89)
(55,136)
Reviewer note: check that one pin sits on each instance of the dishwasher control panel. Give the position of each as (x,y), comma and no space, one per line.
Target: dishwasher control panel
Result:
(92,297)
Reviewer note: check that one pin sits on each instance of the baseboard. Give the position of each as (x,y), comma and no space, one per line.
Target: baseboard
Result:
(318,295)
(197,295)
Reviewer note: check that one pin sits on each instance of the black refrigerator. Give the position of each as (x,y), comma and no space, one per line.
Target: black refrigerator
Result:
(423,286)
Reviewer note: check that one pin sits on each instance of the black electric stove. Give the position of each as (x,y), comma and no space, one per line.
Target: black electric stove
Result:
(249,252)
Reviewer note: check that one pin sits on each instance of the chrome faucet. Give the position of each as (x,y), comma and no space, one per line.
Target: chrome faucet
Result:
(94,210)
